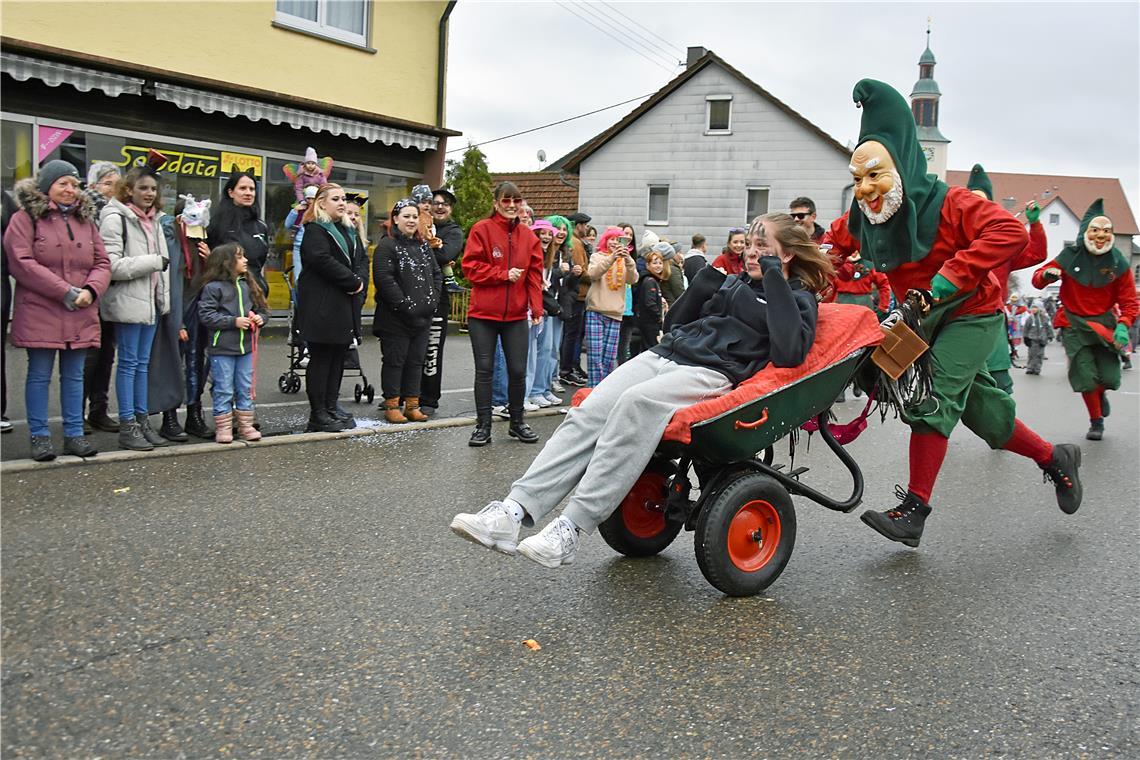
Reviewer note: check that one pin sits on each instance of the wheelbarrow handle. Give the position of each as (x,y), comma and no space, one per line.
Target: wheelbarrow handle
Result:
(752,425)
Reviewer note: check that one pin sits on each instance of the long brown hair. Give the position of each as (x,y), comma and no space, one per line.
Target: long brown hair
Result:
(221,265)
(126,186)
(809,264)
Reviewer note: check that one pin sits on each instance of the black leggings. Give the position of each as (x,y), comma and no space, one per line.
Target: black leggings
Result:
(514,335)
(324,373)
(402,352)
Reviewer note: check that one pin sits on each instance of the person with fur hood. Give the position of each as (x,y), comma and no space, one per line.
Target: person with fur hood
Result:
(56,255)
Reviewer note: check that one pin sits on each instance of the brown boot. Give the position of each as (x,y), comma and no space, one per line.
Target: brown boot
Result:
(246,430)
(412,409)
(223,428)
(392,411)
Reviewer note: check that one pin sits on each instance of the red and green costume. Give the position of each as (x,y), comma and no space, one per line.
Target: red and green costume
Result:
(1093,289)
(948,241)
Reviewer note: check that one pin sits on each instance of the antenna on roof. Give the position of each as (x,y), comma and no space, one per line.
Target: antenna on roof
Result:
(541,156)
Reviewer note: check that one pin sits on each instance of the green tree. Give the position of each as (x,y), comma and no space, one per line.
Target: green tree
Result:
(470,180)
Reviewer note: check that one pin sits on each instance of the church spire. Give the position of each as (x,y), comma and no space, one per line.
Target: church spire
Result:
(924,102)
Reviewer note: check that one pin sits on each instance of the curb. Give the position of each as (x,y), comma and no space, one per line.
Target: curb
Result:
(191,449)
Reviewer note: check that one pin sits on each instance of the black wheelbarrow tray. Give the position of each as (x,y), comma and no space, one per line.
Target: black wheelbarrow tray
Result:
(744,519)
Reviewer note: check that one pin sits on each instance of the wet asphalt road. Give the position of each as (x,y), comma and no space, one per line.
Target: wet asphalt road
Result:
(308,600)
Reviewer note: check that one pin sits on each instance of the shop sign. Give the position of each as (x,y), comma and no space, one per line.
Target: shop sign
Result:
(178,162)
(50,139)
(243,161)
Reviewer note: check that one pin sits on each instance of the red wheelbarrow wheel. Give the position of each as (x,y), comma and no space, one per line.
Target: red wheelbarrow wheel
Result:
(637,528)
(746,534)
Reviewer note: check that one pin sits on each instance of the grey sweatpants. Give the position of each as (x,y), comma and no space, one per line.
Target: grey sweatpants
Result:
(603,445)
(1036,355)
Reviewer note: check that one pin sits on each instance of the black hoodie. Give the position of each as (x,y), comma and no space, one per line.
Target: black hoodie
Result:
(737,325)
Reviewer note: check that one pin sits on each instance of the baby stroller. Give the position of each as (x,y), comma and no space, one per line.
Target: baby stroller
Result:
(290,379)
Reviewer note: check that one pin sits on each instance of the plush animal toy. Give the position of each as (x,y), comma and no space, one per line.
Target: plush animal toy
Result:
(195,216)
(311,171)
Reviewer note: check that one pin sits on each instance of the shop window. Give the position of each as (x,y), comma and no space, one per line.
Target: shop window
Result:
(339,20)
(658,204)
(15,152)
(718,112)
(756,203)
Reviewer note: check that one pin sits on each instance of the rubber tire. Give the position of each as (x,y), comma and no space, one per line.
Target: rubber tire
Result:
(369,393)
(294,382)
(617,533)
(283,383)
(357,392)
(712,534)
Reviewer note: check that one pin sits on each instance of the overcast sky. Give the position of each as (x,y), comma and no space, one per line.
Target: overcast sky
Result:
(1043,88)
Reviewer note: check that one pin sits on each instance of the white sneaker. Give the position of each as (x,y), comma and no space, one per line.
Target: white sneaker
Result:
(557,387)
(554,546)
(552,399)
(529,407)
(500,412)
(539,401)
(492,527)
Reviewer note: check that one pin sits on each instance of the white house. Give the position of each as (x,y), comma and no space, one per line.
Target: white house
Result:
(708,152)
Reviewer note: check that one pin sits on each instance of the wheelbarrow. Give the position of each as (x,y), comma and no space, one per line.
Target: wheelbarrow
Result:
(744,519)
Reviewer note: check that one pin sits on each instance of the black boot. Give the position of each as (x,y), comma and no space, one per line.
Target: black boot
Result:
(519,429)
(98,419)
(170,429)
(320,421)
(1096,429)
(904,523)
(149,433)
(1064,471)
(343,416)
(196,423)
(481,435)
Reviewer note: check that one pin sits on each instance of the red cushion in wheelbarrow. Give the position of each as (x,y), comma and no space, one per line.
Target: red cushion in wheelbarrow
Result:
(842,330)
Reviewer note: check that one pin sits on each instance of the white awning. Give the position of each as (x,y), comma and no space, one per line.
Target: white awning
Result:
(210,102)
(54,74)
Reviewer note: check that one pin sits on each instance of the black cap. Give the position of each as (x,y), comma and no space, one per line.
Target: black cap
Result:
(579,217)
(446,194)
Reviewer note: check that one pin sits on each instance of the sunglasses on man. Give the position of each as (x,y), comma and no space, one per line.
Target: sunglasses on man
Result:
(799,216)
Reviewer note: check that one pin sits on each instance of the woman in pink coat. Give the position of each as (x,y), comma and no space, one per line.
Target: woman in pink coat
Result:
(56,256)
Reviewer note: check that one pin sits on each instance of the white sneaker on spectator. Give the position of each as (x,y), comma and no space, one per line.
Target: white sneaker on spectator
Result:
(552,400)
(500,412)
(492,526)
(554,546)
(557,387)
(538,401)
(530,407)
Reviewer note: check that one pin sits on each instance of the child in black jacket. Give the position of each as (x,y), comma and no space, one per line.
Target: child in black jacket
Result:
(720,332)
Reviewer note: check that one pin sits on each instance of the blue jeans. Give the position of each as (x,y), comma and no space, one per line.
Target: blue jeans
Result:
(134,343)
(555,348)
(499,378)
(534,340)
(40,364)
(545,356)
(233,383)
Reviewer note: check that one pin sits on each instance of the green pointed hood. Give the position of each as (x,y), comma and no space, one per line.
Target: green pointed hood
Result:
(908,235)
(1086,267)
(979,180)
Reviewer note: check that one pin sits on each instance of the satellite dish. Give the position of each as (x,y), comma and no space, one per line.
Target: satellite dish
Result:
(542,156)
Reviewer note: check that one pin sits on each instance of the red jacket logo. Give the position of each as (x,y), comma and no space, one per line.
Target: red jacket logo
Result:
(496,253)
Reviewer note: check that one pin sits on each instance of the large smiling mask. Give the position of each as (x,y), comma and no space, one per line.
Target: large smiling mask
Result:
(1093,260)
(897,205)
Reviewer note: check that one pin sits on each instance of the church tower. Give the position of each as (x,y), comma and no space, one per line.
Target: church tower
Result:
(924,105)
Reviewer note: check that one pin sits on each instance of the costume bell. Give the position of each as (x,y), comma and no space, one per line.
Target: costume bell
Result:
(1098,296)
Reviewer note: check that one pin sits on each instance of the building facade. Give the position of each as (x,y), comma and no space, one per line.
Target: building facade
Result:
(223,85)
(707,153)
(924,104)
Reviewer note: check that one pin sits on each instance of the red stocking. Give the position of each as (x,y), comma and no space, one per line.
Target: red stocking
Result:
(1092,401)
(1027,443)
(927,450)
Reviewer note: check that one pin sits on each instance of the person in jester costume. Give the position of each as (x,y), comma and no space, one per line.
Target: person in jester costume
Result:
(999,361)
(1095,283)
(944,241)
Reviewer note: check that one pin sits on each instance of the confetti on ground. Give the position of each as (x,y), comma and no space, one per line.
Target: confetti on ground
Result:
(532,645)
(124,489)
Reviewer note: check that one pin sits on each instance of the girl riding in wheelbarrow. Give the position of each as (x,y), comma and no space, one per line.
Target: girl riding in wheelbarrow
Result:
(721,332)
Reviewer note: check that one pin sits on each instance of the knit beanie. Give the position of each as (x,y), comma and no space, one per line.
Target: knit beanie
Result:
(664,249)
(53,170)
(649,239)
(310,155)
(979,180)
(98,171)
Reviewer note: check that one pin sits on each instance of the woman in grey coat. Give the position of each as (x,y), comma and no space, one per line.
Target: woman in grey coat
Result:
(138,296)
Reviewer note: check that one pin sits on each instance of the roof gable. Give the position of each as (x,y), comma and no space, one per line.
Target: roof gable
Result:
(1014,191)
(547,193)
(572,161)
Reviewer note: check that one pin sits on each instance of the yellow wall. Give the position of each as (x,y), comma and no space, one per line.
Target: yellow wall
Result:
(233,41)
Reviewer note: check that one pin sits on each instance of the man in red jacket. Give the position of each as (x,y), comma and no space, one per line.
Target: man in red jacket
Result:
(1034,253)
(1096,282)
(946,241)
